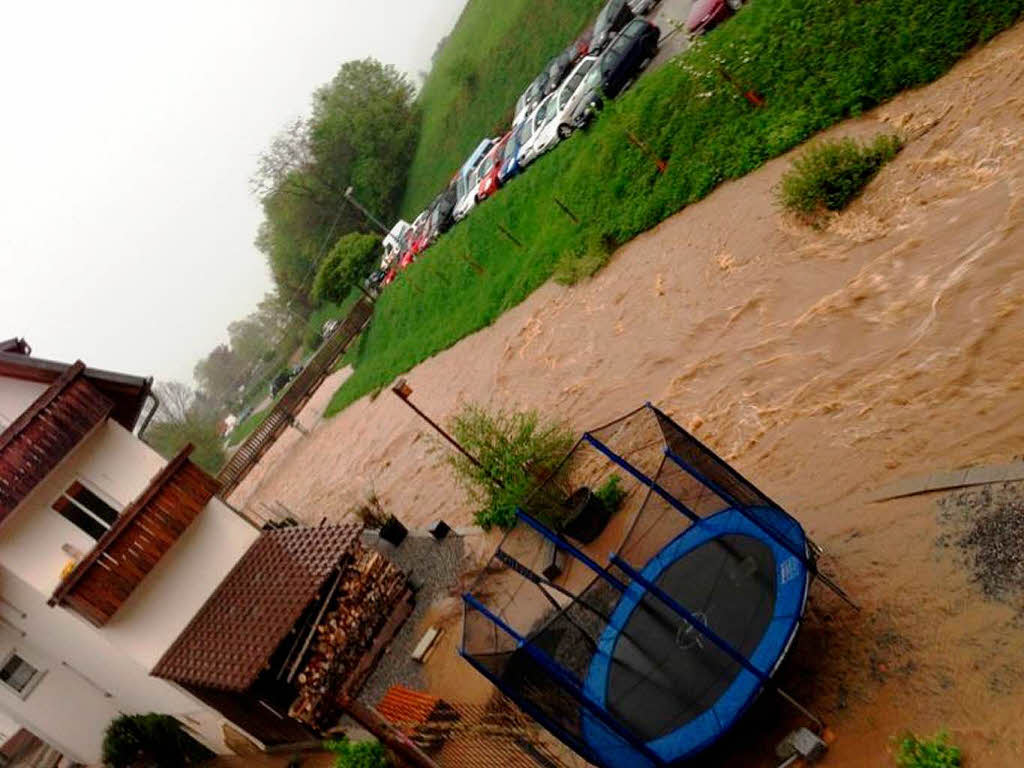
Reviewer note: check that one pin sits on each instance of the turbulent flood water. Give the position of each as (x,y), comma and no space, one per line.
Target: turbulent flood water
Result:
(823,363)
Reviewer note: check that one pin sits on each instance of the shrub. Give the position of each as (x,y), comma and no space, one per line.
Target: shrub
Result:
(351,259)
(150,741)
(359,754)
(830,174)
(610,493)
(514,448)
(931,753)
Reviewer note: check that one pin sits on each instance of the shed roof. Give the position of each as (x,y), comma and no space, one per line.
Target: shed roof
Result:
(229,642)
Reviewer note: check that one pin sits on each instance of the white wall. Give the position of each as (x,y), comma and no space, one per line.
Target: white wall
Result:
(171,594)
(8,726)
(111,461)
(15,396)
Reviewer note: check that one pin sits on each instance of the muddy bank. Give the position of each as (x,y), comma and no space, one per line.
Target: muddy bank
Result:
(824,364)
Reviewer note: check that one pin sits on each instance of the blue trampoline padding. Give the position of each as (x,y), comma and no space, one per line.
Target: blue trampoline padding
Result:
(790,595)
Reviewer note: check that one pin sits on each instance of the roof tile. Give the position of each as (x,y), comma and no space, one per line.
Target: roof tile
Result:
(229,641)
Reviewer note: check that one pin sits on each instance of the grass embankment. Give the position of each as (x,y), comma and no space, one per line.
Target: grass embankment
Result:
(495,50)
(814,62)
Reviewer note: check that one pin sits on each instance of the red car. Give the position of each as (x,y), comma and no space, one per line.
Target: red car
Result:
(707,13)
(490,168)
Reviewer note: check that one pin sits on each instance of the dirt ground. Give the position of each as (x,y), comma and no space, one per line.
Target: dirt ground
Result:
(824,364)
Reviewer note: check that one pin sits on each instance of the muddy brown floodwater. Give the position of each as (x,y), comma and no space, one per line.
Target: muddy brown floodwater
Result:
(822,363)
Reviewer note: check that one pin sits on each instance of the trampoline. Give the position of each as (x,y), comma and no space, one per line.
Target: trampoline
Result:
(648,655)
(667,682)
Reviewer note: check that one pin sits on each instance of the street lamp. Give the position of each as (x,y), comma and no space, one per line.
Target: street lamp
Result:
(366,213)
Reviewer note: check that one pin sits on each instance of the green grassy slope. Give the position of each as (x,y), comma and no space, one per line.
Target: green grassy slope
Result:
(496,48)
(813,61)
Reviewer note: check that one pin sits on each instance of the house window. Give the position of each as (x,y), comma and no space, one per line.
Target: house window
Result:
(85,509)
(18,675)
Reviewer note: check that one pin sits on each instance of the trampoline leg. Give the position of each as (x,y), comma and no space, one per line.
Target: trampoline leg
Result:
(836,589)
(801,709)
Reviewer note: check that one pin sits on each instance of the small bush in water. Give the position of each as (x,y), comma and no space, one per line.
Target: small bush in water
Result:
(927,753)
(517,449)
(830,174)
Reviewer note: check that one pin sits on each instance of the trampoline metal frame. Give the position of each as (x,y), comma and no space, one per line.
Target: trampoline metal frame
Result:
(567,680)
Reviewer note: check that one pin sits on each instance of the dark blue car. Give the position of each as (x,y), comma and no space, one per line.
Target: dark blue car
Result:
(510,165)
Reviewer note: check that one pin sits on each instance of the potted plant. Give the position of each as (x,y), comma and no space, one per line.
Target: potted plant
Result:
(588,512)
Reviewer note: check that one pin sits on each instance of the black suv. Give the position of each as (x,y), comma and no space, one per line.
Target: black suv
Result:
(624,59)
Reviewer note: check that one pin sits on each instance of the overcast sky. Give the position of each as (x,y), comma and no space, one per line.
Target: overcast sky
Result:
(128,134)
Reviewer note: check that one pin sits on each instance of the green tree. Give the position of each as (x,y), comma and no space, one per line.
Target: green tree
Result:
(186,417)
(362,135)
(349,262)
(219,373)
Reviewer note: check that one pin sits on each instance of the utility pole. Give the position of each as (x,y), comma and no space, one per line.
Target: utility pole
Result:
(359,206)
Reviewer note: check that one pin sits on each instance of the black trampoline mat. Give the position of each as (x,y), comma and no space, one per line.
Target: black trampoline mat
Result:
(663,672)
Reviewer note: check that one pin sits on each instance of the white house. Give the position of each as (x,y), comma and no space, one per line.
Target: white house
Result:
(89,600)
(128,586)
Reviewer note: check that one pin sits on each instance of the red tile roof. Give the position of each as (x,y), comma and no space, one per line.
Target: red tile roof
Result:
(406,708)
(231,639)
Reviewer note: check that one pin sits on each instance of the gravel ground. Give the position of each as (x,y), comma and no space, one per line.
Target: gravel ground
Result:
(988,525)
(436,566)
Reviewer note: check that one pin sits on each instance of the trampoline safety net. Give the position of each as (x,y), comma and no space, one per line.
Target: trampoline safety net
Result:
(639,635)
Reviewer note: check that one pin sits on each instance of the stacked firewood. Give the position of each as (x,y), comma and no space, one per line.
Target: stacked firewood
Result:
(369,589)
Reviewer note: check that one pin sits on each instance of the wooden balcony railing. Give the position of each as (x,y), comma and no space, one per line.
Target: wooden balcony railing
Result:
(46,432)
(101,583)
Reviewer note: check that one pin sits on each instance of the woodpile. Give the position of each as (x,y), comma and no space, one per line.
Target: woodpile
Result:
(369,590)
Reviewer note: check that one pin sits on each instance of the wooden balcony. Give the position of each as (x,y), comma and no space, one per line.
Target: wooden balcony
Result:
(101,583)
(46,432)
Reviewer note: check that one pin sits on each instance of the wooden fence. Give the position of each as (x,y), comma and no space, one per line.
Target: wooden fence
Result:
(283,413)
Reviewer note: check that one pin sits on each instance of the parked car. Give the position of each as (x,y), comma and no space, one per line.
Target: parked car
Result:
(627,56)
(419,233)
(642,7)
(376,280)
(559,127)
(441,218)
(533,147)
(281,381)
(490,169)
(630,52)
(614,16)
(467,181)
(328,328)
(704,14)
(510,163)
(533,94)
(394,243)
(558,68)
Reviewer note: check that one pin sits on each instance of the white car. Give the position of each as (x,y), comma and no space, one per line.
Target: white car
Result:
(394,243)
(468,200)
(557,123)
(533,148)
(467,180)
